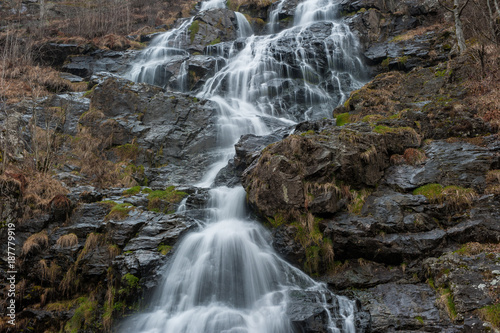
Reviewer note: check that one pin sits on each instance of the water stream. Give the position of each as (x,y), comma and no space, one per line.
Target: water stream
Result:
(226,277)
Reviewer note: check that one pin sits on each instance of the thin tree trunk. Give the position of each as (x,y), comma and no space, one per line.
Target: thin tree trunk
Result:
(459,31)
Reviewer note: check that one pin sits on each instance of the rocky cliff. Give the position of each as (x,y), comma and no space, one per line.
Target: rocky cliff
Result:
(393,201)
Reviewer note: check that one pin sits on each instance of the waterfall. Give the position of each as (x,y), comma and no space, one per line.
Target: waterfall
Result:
(226,277)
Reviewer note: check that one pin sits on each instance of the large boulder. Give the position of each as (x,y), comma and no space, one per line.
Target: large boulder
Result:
(302,172)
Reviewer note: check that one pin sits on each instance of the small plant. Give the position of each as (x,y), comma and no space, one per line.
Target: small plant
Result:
(68,240)
(132,191)
(433,192)
(277,221)
(35,243)
(342,119)
(414,156)
(119,212)
(164,249)
(491,313)
(84,315)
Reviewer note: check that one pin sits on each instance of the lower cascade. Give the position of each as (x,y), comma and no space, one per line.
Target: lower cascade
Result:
(226,277)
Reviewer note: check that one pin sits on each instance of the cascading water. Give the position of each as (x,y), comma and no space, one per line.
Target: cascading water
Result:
(226,277)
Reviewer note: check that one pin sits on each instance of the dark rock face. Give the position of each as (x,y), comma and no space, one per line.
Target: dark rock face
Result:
(447,164)
(86,65)
(383,29)
(308,312)
(210,27)
(389,246)
(404,308)
(171,130)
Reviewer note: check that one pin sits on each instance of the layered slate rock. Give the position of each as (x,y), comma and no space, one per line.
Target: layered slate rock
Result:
(171,130)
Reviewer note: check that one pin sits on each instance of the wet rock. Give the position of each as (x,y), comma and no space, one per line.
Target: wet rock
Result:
(404,308)
(85,219)
(159,229)
(361,274)
(446,164)
(471,275)
(309,311)
(211,27)
(85,66)
(172,130)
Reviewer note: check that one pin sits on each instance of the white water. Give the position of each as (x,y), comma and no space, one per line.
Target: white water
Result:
(226,277)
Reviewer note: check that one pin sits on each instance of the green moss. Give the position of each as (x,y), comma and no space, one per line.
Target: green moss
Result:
(430,282)
(310,132)
(215,41)
(90,92)
(119,211)
(420,319)
(277,220)
(385,63)
(402,60)
(381,129)
(193,29)
(441,73)
(312,259)
(343,119)
(130,281)
(491,313)
(433,192)
(132,191)
(83,316)
(146,190)
(169,195)
(164,249)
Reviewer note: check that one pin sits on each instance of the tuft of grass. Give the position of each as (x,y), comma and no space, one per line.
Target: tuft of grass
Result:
(420,319)
(132,191)
(342,119)
(35,243)
(491,314)
(68,240)
(358,200)
(277,221)
(83,316)
(447,299)
(127,152)
(414,156)
(433,192)
(193,29)
(119,212)
(456,197)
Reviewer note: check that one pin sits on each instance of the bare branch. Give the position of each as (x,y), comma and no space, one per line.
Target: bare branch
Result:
(445,7)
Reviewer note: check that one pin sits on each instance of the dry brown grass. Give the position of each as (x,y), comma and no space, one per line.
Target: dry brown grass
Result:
(41,189)
(419,31)
(474,248)
(458,197)
(68,240)
(483,83)
(35,243)
(414,156)
(28,81)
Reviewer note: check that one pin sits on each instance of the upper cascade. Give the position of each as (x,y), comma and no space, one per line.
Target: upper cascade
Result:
(299,73)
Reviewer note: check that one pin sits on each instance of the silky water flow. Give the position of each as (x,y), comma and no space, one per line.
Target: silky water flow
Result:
(226,277)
